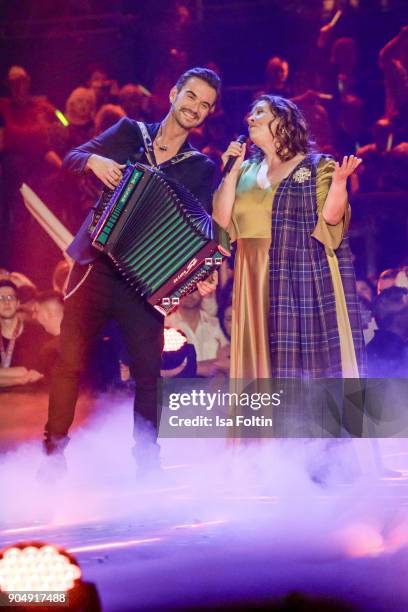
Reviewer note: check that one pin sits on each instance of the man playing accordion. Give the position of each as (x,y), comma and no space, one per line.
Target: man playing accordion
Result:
(97,292)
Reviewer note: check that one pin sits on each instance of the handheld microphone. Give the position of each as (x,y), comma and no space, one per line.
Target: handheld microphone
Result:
(231,159)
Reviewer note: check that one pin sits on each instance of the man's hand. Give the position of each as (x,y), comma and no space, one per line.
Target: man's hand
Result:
(207,287)
(107,170)
(348,166)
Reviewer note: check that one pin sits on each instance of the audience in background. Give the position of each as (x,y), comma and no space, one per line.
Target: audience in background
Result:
(60,276)
(312,105)
(225,319)
(367,318)
(134,99)
(401,280)
(365,288)
(348,124)
(388,350)
(48,311)
(26,123)
(393,59)
(27,120)
(371,173)
(105,89)
(66,195)
(79,112)
(225,307)
(204,332)
(342,75)
(19,341)
(397,168)
(20,280)
(107,115)
(386,279)
(276,78)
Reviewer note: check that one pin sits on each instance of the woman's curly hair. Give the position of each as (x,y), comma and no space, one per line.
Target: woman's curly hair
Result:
(291,133)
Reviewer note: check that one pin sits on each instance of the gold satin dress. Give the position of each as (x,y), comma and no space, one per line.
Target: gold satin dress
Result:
(251,227)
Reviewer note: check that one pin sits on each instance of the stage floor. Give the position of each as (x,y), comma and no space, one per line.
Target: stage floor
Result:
(221,526)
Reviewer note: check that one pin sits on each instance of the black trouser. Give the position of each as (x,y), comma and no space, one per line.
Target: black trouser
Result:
(102,296)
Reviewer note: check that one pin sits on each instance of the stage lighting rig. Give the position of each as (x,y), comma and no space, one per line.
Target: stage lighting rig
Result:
(44,577)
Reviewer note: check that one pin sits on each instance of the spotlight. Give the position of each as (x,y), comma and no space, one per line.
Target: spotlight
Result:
(35,573)
(178,357)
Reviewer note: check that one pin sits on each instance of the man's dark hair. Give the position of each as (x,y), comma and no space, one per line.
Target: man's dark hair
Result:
(368,282)
(49,296)
(388,303)
(205,74)
(9,283)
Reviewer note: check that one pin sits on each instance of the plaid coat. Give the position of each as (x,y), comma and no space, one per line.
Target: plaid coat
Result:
(303,331)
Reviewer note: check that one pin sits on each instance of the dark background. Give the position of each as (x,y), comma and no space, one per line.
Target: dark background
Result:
(59,41)
(56,40)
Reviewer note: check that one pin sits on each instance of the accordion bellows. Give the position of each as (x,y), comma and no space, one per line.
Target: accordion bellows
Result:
(159,236)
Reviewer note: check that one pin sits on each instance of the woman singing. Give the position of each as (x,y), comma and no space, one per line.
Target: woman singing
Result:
(295,307)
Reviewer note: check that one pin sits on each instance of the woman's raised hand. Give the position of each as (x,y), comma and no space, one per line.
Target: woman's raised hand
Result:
(347,167)
(235,149)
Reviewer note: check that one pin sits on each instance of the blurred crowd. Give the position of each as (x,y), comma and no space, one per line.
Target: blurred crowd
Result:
(30,323)
(35,136)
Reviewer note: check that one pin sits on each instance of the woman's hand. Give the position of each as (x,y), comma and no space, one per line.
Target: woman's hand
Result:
(235,149)
(224,195)
(107,170)
(348,166)
(336,201)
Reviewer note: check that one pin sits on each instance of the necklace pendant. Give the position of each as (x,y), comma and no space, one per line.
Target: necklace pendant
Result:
(161,147)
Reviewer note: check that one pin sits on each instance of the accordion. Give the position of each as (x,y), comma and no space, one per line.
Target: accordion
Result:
(159,236)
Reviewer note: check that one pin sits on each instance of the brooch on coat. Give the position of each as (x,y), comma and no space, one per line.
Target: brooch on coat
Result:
(302,175)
